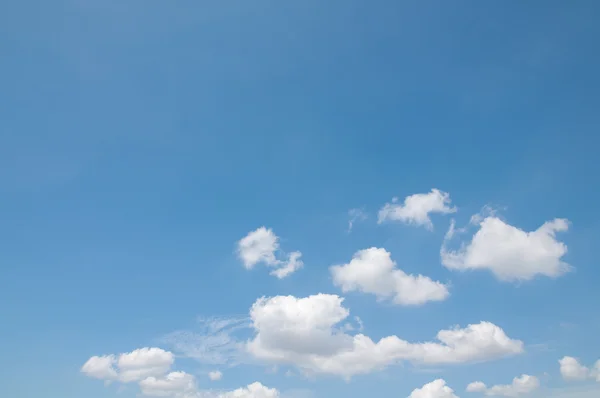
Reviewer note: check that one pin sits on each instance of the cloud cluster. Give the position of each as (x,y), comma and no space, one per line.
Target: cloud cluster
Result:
(261,246)
(313,334)
(128,367)
(373,271)
(520,386)
(416,208)
(305,332)
(151,369)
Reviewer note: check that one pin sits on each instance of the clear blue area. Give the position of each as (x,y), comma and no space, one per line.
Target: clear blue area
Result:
(139,140)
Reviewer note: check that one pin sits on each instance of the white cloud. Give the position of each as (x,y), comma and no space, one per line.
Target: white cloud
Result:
(175,384)
(290,266)
(355,215)
(510,253)
(435,389)
(150,368)
(572,370)
(523,385)
(129,367)
(183,385)
(254,390)
(100,367)
(304,332)
(215,375)
(261,246)
(417,208)
(373,271)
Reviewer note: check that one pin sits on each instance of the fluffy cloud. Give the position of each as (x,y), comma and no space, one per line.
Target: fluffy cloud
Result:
(129,367)
(215,375)
(304,332)
(150,368)
(435,389)
(522,385)
(175,384)
(100,367)
(262,246)
(572,370)
(510,253)
(416,208)
(373,271)
(183,385)
(254,390)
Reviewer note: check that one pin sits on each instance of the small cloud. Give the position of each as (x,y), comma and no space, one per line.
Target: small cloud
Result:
(261,246)
(355,215)
(215,375)
(416,208)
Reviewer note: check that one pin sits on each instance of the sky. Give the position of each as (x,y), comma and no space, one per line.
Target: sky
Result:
(299,199)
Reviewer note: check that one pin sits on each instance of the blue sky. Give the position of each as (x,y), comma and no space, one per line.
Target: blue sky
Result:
(140,141)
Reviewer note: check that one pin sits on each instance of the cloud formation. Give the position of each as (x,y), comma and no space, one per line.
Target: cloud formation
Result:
(150,368)
(510,253)
(520,386)
(305,332)
(373,271)
(416,208)
(435,389)
(572,370)
(129,367)
(261,246)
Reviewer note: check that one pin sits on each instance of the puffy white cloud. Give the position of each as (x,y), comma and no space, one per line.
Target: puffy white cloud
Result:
(510,253)
(144,362)
(133,366)
(435,389)
(373,271)
(522,385)
(477,386)
(175,384)
(416,208)
(571,369)
(215,375)
(100,367)
(262,246)
(304,332)
(254,390)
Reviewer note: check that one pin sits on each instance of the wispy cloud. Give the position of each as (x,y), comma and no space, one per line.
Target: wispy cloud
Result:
(213,342)
(355,215)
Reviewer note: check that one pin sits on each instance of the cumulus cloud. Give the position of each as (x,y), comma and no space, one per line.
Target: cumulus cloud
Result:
(520,386)
(261,246)
(571,369)
(373,271)
(305,332)
(131,366)
(175,384)
(254,390)
(416,208)
(510,253)
(150,367)
(435,389)
(215,375)
(183,385)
